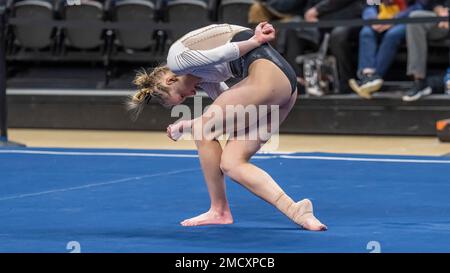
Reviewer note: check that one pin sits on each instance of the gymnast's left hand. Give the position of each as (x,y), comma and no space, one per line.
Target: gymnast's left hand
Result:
(264,33)
(175,130)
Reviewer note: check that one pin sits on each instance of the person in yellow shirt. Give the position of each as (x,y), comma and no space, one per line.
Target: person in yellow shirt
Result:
(378,44)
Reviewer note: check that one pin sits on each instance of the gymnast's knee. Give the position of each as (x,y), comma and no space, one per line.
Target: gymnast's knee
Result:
(229,165)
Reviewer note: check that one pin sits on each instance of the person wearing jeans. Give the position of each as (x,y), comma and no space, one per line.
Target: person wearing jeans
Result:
(378,44)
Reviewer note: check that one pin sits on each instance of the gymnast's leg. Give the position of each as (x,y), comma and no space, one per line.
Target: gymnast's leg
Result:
(219,213)
(235,164)
(265,85)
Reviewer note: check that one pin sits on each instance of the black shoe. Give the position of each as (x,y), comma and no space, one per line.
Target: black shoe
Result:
(420,89)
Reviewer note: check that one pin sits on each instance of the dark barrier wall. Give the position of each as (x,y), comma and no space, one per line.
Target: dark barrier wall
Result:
(328,115)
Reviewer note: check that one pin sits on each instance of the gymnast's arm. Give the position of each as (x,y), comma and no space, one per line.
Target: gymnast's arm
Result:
(186,61)
(176,130)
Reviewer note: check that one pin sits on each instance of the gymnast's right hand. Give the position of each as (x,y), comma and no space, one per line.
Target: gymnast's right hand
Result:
(264,32)
(175,130)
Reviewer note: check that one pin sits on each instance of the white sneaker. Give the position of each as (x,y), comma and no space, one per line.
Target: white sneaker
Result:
(314,91)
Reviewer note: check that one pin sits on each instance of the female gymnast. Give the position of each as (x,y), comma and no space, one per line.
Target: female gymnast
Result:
(204,59)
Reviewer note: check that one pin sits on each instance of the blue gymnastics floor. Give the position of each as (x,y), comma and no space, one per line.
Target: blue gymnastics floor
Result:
(133,200)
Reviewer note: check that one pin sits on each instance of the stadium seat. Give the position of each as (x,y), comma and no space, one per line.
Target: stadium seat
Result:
(33,36)
(234,11)
(83,37)
(134,11)
(189,13)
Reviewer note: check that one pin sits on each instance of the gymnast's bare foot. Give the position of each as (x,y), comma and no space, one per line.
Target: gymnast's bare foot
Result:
(210,217)
(306,218)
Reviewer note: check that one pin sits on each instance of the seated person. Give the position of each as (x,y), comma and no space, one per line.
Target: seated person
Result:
(340,36)
(417,37)
(378,44)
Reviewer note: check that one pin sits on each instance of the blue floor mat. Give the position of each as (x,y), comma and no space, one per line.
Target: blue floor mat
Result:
(133,201)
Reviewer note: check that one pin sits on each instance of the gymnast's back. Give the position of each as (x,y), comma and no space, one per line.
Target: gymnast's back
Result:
(209,37)
(204,52)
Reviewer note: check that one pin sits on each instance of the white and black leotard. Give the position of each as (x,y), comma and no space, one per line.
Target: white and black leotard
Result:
(211,54)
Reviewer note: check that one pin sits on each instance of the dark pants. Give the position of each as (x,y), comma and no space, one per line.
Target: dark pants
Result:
(296,42)
(342,47)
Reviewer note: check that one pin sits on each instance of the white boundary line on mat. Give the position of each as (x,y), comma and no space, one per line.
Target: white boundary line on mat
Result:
(362,159)
(285,156)
(111,154)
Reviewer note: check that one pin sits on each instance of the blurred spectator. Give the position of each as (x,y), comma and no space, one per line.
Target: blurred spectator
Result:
(341,36)
(269,10)
(447,81)
(417,37)
(290,42)
(299,40)
(378,43)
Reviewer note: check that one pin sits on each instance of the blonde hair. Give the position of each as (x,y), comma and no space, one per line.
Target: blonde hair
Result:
(149,86)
